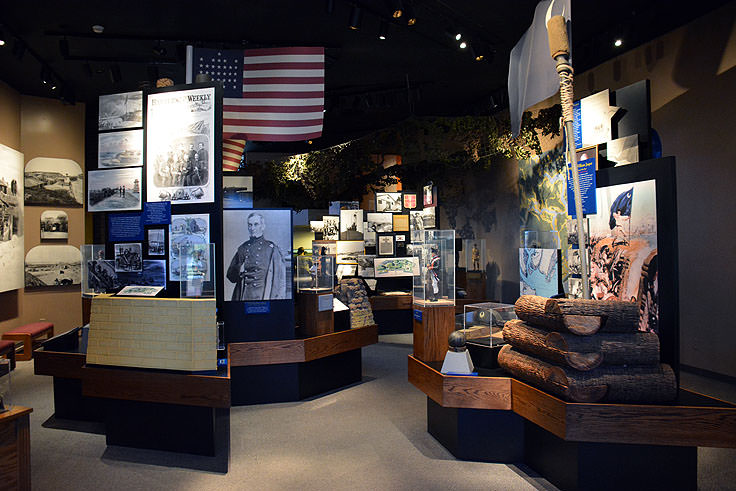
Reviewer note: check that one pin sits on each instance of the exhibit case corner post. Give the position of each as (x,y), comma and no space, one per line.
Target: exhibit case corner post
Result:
(4,385)
(482,323)
(435,284)
(197,271)
(92,284)
(315,273)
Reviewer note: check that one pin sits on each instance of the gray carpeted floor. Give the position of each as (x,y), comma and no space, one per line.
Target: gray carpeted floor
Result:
(368,436)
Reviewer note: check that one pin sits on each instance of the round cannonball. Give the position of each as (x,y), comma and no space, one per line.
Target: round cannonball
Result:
(456,341)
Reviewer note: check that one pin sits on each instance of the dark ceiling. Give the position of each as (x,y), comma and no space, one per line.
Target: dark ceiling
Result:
(370,83)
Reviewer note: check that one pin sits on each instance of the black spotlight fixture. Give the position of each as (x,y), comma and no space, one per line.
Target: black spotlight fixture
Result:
(356,16)
(397,8)
(383,30)
(411,18)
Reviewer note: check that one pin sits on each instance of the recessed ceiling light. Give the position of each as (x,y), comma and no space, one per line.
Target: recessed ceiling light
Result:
(98,29)
(618,43)
(458,36)
(463,45)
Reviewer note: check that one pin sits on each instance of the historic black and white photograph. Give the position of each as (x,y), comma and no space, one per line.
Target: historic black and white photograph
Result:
(316,226)
(388,202)
(54,224)
(416,221)
(237,192)
(573,262)
(385,245)
(11,219)
(180,132)
(54,182)
(331,227)
(186,231)
(365,266)
(429,217)
(102,277)
(121,111)
(128,257)
(53,265)
(257,254)
(572,231)
(380,222)
(114,189)
(348,251)
(324,247)
(351,224)
(120,149)
(156,244)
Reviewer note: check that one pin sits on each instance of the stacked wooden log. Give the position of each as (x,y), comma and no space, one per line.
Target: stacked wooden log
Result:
(585,351)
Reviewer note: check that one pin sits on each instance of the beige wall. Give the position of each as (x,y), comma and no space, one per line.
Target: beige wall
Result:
(40,127)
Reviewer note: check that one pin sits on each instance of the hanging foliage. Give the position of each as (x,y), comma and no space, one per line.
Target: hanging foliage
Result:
(431,149)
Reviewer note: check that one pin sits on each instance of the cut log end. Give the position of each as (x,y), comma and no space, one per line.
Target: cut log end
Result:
(582,325)
(593,393)
(584,361)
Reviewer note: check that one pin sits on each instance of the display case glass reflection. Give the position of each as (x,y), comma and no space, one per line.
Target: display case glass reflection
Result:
(482,323)
(435,283)
(315,273)
(197,272)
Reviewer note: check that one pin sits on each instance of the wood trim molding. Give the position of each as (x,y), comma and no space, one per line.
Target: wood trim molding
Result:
(300,350)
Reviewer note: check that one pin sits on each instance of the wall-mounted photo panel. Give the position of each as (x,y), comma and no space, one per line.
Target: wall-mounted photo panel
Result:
(429,217)
(102,277)
(120,149)
(316,226)
(53,265)
(184,232)
(324,247)
(53,182)
(237,192)
(156,243)
(539,271)
(348,251)
(180,146)
(54,224)
(344,270)
(429,195)
(121,111)
(257,254)
(351,224)
(380,222)
(388,202)
(396,266)
(385,245)
(331,227)
(11,219)
(410,200)
(401,223)
(114,189)
(128,257)
(365,266)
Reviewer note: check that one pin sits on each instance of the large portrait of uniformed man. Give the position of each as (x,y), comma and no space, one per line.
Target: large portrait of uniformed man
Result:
(257,252)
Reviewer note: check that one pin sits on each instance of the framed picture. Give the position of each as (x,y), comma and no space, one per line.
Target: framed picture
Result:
(11,219)
(103,278)
(429,218)
(128,257)
(401,223)
(237,192)
(156,243)
(257,254)
(365,266)
(396,266)
(410,200)
(53,182)
(385,245)
(331,227)
(120,149)
(351,224)
(139,291)
(114,189)
(348,251)
(184,232)
(324,247)
(380,222)
(118,111)
(388,202)
(429,195)
(53,265)
(316,226)
(54,224)
(346,270)
(180,146)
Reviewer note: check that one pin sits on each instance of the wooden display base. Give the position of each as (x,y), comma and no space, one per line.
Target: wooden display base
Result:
(475,284)
(433,324)
(303,367)
(561,436)
(312,321)
(15,449)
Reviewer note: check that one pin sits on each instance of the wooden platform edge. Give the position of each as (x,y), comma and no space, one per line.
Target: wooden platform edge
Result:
(460,391)
(58,363)
(301,350)
(15,412)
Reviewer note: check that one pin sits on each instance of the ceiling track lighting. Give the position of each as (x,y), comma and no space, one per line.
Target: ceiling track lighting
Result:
(397,9)
(411,17)
(463,45)
(383,30)
(2,38)
(355,18)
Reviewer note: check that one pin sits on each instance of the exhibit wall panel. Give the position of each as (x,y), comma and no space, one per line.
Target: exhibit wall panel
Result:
(45,128)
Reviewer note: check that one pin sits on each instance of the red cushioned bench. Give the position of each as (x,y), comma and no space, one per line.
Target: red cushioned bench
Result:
(7,349)
(28,335)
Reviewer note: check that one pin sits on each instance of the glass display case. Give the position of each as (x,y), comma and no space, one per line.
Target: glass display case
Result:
(474,255)
(534,239)
(197,271)
(435,283)
(482,323)
(315,273)
(4,384)
(91,253)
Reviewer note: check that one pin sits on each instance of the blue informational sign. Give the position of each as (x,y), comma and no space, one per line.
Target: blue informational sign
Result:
(258,307)
(418,315)
(157,213)
(577,124)
(124,227)
(586,168)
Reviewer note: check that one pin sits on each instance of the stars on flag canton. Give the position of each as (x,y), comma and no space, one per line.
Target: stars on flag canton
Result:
(225,66)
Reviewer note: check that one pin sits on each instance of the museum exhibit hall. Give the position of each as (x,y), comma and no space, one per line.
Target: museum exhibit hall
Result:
(367,244)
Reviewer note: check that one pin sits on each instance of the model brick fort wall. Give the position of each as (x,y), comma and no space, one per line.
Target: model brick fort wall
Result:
(173,334)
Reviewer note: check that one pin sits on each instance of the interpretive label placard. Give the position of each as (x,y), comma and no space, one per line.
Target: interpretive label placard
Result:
(124,227)
(157,213)
(258,307)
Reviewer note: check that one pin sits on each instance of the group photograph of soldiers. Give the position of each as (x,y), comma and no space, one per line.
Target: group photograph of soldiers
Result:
(185,163)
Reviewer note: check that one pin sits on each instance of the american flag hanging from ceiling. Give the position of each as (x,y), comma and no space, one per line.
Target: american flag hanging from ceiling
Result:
(270,94)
